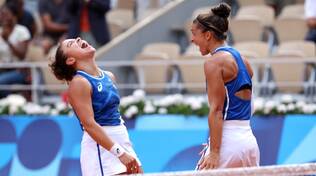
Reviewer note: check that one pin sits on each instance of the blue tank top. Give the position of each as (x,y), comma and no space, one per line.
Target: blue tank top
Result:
(236,108)
(105,99)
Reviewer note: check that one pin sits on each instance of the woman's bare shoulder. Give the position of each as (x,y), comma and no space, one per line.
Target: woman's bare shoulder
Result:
(218,59)
(78,82)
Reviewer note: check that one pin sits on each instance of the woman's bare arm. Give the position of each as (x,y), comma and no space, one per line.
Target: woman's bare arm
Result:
(216,96)
(80,100)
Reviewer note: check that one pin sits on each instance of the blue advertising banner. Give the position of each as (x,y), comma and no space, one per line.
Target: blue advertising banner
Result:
(43,145)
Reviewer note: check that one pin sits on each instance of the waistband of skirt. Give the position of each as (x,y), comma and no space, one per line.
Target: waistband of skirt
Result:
(112,128)
(236,123)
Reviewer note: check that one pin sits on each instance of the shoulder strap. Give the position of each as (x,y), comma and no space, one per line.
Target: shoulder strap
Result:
(236,55)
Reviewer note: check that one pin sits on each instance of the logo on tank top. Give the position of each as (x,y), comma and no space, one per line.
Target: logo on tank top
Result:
(99,87)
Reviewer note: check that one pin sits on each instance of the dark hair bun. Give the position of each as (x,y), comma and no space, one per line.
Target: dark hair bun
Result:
(222,10)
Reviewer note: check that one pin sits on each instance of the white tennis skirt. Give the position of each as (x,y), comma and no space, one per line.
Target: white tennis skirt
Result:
(239,146)
(97,161)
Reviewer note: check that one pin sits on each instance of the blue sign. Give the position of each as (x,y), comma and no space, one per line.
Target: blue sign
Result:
(45,145)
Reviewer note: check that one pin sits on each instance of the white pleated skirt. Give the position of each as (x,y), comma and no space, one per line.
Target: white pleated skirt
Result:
(97,161)
(239,146)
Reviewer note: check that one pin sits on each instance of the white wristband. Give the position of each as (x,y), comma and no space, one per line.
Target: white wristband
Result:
(117,150)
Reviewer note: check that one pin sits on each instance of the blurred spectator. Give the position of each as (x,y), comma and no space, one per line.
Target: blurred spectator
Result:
(55,21)
(278,5)
(25,17)
(88,20)
(13,46)
(310,15)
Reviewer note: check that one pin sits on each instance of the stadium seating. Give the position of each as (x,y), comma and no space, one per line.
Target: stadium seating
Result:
(292,11)
(262,12)
(290,29)
(240,29)
(152,78)
(250,2)
(193,74)
(119,20)
(172,50)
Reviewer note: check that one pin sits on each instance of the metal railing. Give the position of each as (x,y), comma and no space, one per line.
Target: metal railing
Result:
(36,86)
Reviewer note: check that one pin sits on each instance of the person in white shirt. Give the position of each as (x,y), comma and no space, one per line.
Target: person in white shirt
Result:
(14,40)
(310,16)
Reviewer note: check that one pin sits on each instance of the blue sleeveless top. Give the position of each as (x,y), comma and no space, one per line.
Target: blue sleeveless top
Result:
(105,99)
(236,108)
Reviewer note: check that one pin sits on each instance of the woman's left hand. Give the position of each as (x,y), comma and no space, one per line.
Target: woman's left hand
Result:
(210,161)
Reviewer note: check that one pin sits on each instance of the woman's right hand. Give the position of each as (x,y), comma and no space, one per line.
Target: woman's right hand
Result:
(210,161)
(130,163)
